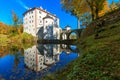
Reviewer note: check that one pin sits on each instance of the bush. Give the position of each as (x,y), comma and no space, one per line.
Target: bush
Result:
(27,37)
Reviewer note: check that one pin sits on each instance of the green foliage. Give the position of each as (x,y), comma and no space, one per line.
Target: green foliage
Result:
(13,32)
(3,39)
(79,7)
(96,6)
(75,7)
(27,37)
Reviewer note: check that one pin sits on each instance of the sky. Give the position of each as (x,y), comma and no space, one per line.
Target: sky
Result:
(20,6)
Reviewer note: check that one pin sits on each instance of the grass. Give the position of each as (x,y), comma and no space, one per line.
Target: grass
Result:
(18,38)
(100,58)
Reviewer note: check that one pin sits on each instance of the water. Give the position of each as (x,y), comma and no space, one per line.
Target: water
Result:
(17,63)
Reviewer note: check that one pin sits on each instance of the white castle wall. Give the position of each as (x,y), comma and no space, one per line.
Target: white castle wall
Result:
(33,22)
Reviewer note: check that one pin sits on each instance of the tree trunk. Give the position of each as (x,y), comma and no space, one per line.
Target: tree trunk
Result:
(79,23)
(92,13)
(96,12)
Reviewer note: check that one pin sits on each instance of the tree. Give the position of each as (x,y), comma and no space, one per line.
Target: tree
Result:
(95,6)
(3,28)
(79,7)
(90,3)
(20,29)
(86,19)
(76,8)
(105,9)
(18,24)
(14,18)
(113,6)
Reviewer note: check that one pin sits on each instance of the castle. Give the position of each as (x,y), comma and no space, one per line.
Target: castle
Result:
(41,24)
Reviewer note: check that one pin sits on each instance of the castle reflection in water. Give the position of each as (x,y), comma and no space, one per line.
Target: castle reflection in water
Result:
(41,56)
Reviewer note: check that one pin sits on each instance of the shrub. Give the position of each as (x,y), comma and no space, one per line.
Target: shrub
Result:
(27,37)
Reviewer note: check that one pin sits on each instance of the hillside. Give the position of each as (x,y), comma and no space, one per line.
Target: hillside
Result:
(100,57)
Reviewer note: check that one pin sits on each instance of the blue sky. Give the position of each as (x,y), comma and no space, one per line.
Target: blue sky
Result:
(19,7)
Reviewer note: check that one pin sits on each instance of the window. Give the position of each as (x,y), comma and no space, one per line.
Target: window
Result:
(40,16)
(31,12)
(46,21)
(40,12)
(32,21)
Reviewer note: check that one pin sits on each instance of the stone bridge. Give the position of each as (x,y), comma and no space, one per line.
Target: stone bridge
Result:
(65,34)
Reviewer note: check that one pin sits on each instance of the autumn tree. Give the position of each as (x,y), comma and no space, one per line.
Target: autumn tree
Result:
(79,7)
(95,6)
(3,28)
(76,8)
(86,19)
(14,18)
(113,6)
(20,29)
(105,9)
(17,23)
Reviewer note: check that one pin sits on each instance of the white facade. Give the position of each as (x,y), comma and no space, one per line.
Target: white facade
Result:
(40,57)
(37,21)
(33,60)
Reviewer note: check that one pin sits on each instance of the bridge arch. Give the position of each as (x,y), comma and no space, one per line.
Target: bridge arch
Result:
(75,33)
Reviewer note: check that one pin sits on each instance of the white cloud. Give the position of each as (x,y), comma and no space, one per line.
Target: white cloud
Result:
(22,4)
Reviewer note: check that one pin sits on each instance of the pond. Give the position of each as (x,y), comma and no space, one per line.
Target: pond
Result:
(34,62)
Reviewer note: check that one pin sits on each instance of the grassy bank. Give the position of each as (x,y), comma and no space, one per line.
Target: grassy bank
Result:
(18,38)
(99,60)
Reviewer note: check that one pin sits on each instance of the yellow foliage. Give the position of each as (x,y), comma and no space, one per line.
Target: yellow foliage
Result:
(15,18)
(105,9)
(3,28)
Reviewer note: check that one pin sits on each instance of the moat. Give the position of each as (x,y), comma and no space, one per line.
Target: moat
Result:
(34,62)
